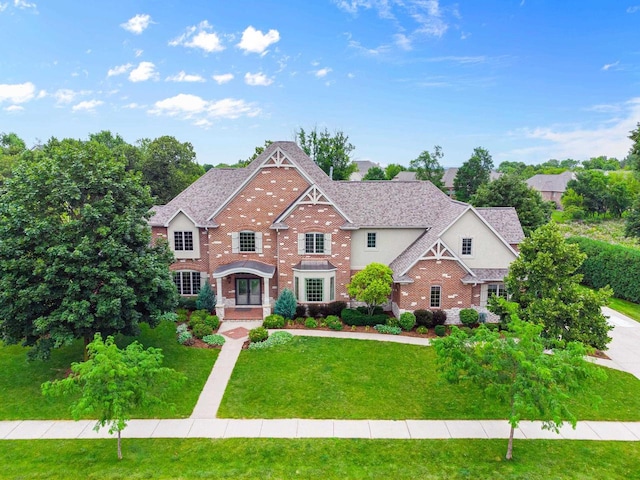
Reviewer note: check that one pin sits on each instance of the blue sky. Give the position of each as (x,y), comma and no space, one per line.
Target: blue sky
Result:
(527,80)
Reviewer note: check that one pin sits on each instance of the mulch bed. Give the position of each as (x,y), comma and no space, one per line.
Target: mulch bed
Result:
(413,333)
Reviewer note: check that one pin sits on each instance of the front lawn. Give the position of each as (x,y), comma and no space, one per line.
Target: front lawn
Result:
(20,397)
(318,458)
(359,379)
(630,309)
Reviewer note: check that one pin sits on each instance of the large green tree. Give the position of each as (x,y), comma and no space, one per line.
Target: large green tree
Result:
(168,166)
(375,173)
(427,166)
(632,227)
(330,151)
(510,190)
(474,172)
(11,149)
(113,383)
(514,368)
(544,283)
(76,255)
(372,285)
(120,148)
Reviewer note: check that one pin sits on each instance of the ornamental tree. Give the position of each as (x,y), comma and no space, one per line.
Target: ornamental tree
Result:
(544,283)
(513,367)
(371,285)
(206,298)
(113,383)
(76,255)
(286,304)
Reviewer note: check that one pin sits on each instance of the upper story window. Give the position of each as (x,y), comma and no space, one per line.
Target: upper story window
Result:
(183,241)
(467,246)
(247,241)
(314,243)
(372,240)
(435,296)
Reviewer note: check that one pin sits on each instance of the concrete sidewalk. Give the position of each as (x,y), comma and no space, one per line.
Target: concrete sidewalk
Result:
(305,428)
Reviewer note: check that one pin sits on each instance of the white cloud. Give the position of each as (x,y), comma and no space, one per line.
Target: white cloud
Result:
(138,52)
(199,36)
(185,77)
(402,41)
(17,92)
(223,78)
(137,24)
(132,105)
(201,111)
(323,72)
(608,66)
(351,75)
(143,72)
(254,41)
(633,9)
(87,106)
(257,79)
(3,6)
(610,137)
(119,70)
(13,109)
(64,95)
(23,5)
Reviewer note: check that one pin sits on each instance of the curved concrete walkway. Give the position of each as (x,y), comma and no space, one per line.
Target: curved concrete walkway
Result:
(624,353)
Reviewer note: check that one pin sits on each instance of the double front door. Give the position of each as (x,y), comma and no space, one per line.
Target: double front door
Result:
(248,291)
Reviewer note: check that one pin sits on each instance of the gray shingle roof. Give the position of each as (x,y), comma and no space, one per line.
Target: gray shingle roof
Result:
(486,275)
(505,221)
(405,176)
(551,183)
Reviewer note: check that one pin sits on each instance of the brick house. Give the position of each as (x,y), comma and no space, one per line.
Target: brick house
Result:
(282,222)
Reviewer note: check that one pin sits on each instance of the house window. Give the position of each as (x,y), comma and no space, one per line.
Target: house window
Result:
(332,289)
(434,298)
(467,244)
(496,289)
(183,241)
(296,289)
(313,287)
(247,241)
(188,282)
(372,240)
(314,243)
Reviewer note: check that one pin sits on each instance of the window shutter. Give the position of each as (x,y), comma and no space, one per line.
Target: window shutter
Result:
(301,244)
(258,242)
(484,294)
(235,243)
(327,244)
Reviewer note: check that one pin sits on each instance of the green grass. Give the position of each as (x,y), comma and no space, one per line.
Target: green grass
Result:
(630,309)
(359,379)
(319,458)
(20,397)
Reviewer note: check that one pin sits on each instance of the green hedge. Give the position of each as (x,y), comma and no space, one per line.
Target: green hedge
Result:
(354,317)
(613,265)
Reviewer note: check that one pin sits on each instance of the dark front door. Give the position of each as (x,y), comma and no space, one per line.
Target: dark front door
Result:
(248,291)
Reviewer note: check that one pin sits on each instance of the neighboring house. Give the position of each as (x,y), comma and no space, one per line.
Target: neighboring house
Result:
(282,222)
(551,186)
(447,178)
(363,168)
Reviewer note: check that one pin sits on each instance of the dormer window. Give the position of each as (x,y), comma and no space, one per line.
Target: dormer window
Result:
(183,241)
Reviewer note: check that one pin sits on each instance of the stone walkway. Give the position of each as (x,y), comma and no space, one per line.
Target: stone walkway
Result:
(624,353)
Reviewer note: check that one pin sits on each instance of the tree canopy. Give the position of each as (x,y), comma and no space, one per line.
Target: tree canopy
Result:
(599,193)
(474,172)
(544,283)
(427,166)
(11,148)
(375,173)
(371,285)
(76,256)
(329,151)
(511,191)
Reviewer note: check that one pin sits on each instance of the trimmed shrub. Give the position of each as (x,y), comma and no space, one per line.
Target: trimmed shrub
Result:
(311,323)
(213,340)
(376,310)
(424,318)
(273,321)
(422,330)
(393,322)
(206,299)
(439,317)
(277,338)
(315,309)
(200,330)
(469,316)
(301,311)
(181,328)
(355,317)
(300,320)
(440,330)
(198,317)
(212,321)
(333,322)
(334,308)
(407,321)
(388,329)
(259,334)
(613,265)
(188,303)
(286,304)
(185,338)
(183,314)
(167,316)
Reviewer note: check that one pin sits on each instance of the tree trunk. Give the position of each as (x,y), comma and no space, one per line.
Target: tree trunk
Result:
(510,444)
(87,341)
(119,447)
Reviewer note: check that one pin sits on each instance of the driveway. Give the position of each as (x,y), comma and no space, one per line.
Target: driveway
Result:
(624,349)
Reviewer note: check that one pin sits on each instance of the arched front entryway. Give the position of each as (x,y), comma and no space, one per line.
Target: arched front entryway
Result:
(244,285)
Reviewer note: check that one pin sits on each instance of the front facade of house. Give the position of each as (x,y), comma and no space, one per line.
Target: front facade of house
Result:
(282,223)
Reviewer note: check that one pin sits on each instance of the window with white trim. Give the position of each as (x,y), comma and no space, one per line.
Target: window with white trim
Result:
(183,241)
(467,246)
(313,289)
(247,241)
(187,282)
(496,289)
(435,296)
(372,240)
(314,243)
